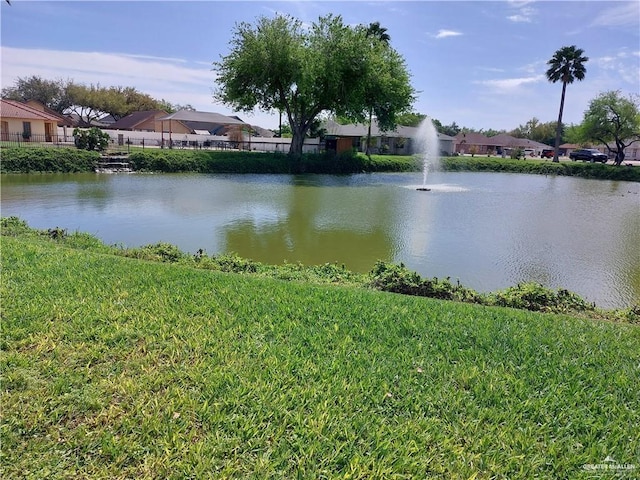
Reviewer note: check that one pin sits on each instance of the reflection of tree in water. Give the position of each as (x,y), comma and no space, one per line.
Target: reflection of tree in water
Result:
(320,225)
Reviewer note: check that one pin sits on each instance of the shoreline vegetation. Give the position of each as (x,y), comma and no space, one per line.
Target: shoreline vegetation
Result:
(384,276)
(68,160)
(153,363)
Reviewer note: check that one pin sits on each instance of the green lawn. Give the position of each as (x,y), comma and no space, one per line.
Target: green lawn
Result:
(115,367)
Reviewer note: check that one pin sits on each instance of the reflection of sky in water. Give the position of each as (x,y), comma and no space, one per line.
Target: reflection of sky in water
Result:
(488,230)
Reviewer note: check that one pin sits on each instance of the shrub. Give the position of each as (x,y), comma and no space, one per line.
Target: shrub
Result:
(163,252)
(91,139)
(398,279)
(233,263)
(14,226)
(630,315)
(533,296)
(44,159)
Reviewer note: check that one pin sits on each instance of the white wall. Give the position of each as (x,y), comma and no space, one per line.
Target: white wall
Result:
(155,139)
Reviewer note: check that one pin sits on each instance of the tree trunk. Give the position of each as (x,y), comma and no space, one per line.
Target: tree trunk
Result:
(368,152)
(620,153)
(559,126)
(297,141)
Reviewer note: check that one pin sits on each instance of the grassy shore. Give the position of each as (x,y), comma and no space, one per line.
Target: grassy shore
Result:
(117,367)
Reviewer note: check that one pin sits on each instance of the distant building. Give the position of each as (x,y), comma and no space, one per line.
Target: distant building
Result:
(479,144)
(22,122)
(400,141)
(189,121)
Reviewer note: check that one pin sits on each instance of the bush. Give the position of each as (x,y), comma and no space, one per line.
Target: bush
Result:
(159,252)
(583,170)
(535,297)
(92,139)
(398,279)
(14,227)
(44,159)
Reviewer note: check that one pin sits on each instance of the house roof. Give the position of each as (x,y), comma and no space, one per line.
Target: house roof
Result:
(203,117)
(15,109)
(505,140)
(501,140)
(134,119)
(473,138)
(63,120)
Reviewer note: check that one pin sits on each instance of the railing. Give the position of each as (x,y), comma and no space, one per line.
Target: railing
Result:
(35,140)
(127,144)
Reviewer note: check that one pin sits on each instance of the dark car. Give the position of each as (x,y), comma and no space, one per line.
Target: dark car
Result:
(546,153)
(588,155)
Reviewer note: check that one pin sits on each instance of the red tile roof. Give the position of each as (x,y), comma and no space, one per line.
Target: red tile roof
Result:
(14,109)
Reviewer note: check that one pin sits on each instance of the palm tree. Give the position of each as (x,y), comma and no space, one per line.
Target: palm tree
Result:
(380,34)
(566,65)
(375,30)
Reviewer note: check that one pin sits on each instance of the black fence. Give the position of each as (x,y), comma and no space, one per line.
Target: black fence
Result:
(35,140)
(126,144)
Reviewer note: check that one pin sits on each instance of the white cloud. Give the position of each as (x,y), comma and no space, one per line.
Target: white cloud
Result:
(447,33)
(524,13)
(174,80)
(519,18)
(626,14)
(623,65)
(507,85)
(103,68)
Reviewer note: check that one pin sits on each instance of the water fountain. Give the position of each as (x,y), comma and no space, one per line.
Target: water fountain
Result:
(428,148)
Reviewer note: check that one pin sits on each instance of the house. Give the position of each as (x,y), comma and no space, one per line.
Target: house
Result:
(64,120)
(190,121)
(474,143)
(507,143)
(401,141)
(479,144)
(22,122)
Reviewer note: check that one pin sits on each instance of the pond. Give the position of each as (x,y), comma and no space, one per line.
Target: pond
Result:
(487,230)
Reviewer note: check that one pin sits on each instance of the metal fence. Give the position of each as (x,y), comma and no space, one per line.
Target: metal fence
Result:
(35,140)
(126,144)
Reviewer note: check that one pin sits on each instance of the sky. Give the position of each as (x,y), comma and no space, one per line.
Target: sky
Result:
(480,64)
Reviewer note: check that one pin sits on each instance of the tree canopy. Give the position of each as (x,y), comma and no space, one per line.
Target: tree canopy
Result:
(329,67)
(89,103)
(612,118)
(53,94)
(537,131)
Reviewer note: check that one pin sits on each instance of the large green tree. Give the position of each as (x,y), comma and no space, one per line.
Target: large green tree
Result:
(534,129)
(278,65)
(88,102)
(52,93)
(566,65)
(92,102)
(613,118)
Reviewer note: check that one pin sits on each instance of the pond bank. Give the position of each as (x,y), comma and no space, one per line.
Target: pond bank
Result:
(36,159)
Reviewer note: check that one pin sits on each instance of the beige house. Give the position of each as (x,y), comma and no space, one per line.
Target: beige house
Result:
(397,142)
(479,144)
(22,122)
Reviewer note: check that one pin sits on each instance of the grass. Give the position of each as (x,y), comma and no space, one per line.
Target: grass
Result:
(116,367)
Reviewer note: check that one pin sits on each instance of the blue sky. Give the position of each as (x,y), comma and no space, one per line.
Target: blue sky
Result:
(480,64)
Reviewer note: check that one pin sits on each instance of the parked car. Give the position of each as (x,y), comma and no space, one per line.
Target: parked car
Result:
(546,153)
(588,155)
